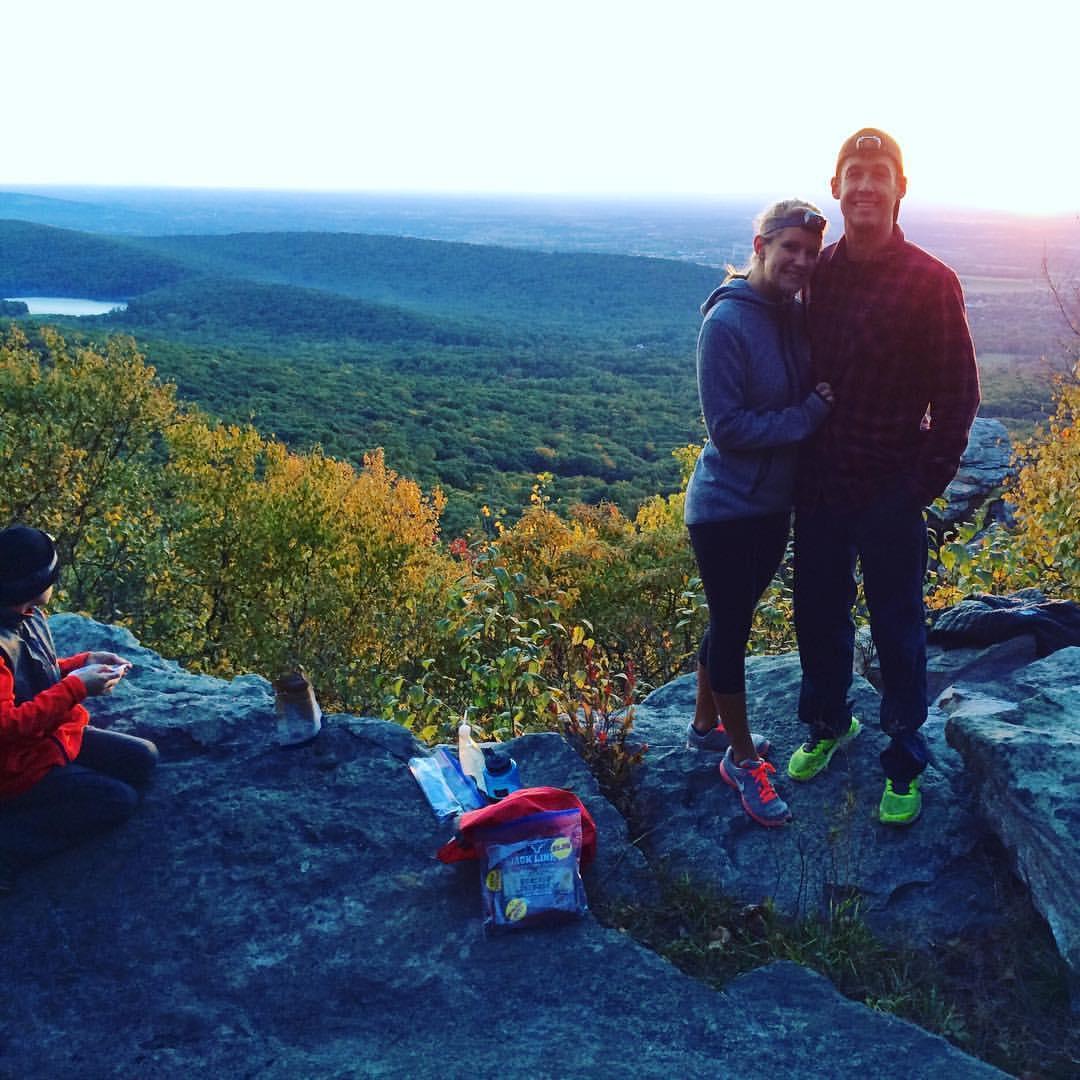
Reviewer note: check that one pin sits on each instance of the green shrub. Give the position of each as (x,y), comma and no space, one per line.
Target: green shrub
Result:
(1042,548)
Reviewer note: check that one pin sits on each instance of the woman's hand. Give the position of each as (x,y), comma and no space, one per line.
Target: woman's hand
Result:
(109,658)
(825,392)
(100,678)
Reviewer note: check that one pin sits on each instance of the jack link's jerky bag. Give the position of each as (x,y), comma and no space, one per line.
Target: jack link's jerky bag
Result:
(531,871)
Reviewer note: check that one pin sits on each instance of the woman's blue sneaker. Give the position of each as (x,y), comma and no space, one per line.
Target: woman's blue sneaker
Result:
(758,796)
(717,741)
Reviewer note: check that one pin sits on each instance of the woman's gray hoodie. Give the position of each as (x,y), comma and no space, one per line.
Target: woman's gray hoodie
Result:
(753,371)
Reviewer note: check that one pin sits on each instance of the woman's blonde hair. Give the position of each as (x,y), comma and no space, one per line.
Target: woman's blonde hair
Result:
(762,222)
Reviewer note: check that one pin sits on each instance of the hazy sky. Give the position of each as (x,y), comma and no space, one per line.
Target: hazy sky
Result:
(589,96)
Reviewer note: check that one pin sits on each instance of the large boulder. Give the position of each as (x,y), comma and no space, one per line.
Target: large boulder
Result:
(280,913)
(984,467)
(982,619)
(927,882)
(1019,735)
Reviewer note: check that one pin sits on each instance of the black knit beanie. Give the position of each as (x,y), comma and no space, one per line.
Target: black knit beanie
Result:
(28,563)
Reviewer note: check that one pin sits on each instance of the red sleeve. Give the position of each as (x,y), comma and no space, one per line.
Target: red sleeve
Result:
(44,712)
(71,663)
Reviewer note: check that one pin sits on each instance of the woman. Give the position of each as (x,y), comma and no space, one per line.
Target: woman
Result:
(60,779)
(753,368)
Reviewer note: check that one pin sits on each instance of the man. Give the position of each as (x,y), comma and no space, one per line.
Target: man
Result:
(889,332)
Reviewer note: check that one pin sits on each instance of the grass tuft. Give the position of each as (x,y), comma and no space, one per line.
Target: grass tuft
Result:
(1000,996)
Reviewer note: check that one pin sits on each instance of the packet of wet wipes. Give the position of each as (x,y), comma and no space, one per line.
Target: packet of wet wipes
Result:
(446,788)
(531,871)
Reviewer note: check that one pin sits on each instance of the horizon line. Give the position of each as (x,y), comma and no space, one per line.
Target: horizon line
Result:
(656,197)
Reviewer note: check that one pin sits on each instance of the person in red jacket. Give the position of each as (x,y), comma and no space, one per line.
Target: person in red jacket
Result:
(61,780)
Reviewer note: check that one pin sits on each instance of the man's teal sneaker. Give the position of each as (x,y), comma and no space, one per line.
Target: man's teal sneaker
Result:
(813,756)
(901,804)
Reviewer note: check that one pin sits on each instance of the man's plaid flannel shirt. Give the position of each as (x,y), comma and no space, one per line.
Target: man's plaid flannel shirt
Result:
(890,334)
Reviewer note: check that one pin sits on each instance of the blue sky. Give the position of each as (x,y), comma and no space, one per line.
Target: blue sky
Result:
(588,96)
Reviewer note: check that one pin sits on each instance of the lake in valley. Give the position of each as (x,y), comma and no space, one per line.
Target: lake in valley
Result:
(67,305)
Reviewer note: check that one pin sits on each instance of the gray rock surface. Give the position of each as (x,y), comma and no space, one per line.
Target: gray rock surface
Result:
(926,882)
(986,463)
(980,620)
(972,666)
(1019,735)
(281,914)
(1004,734)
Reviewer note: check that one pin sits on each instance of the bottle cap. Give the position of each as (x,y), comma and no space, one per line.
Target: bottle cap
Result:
(497,762)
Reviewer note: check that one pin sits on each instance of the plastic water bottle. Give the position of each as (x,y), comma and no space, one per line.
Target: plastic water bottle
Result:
(471,757)
(500,773)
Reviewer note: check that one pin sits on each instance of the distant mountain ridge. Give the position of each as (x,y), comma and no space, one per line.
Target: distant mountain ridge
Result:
(50,261)
(709,230)
(629,226)
(569,289)
(81,214)
(584,294)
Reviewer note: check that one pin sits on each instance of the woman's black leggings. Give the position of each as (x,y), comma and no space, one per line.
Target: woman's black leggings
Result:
(736,560)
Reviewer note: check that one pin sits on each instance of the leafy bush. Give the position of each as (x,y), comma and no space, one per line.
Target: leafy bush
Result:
(215,545)
(599,718)
(81,446)
(624,580)
(274,559)
(491,662)
(1047,536)
(1042,547)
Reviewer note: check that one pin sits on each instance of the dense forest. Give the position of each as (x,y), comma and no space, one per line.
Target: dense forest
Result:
(475,367)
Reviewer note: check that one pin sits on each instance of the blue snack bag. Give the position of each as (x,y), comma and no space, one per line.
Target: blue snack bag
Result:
(531,871)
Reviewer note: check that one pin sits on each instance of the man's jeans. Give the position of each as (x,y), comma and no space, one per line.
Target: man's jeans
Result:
(71,803)
(888,538)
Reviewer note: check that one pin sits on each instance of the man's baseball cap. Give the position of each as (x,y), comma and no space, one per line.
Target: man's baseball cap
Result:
(871,141)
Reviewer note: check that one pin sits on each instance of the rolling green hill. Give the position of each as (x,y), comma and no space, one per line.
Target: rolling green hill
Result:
(226,309)
(615,297)
(45,261)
